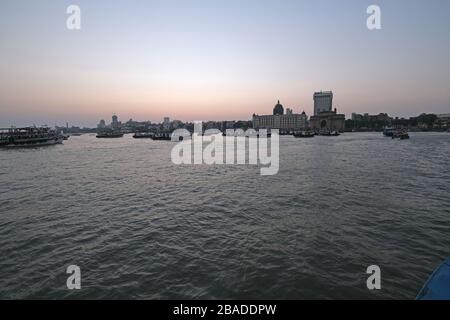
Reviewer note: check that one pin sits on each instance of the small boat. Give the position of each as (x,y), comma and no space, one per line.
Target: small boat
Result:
(143,135)
(402,135)
(438,285)
(304,134)
(329,133)
(388,132)
(162,137)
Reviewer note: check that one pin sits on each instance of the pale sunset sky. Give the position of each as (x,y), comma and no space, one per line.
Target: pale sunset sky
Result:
(219,59)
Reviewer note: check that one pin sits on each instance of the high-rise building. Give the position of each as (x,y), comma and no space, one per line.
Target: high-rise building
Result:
(115,122)
(323,102)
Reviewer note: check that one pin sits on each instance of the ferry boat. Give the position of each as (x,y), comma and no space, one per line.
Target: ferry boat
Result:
(304,134)
(257,135)
(400,134)
(109,134)
(438,285)
(143,135)
(329,133)
(29,137)
(162,136)
(388,132)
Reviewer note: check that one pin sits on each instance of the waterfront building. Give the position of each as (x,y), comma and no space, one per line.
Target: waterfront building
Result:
(323,102)
(444,120)
(328,121)
(285,122)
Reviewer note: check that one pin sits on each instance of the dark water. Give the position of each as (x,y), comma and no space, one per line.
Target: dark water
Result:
(141,227)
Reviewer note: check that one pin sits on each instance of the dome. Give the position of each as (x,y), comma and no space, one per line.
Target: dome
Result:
(278,109)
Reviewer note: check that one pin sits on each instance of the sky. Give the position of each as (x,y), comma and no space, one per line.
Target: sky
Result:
(219,59)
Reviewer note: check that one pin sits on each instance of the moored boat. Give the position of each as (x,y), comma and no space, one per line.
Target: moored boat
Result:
(29,137)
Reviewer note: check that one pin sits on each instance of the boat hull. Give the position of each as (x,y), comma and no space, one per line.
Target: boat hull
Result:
(438,285)
(17,145)
(101,136)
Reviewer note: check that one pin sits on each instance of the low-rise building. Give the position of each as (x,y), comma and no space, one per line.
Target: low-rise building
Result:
(284,122)
(328,121)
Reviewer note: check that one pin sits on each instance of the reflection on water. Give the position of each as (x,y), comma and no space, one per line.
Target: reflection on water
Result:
(141,227)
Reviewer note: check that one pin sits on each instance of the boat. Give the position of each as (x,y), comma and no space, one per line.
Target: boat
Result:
(109,133)
(438,285)
(388,132)
(29,137)
(329,133)
(162,137)
(304,134)
(257,135)
(400,134)
(143,135)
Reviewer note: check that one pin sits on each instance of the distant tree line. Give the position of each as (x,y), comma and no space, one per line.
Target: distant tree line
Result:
(424,122)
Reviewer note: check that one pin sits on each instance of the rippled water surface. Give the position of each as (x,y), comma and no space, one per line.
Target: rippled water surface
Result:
(142,227)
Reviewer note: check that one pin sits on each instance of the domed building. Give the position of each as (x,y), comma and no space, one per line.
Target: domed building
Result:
(278,110)
(289,122)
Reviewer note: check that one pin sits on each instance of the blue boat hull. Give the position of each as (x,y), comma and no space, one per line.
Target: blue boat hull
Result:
(438,286)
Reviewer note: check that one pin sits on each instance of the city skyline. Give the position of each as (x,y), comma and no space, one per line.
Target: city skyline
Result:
(202,60)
